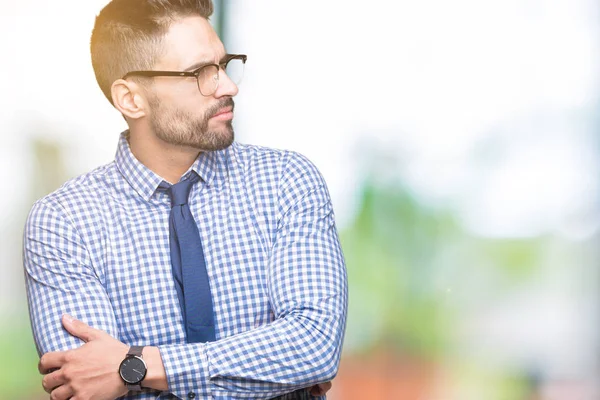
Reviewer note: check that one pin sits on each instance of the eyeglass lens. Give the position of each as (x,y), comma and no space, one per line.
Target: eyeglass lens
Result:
(208,78)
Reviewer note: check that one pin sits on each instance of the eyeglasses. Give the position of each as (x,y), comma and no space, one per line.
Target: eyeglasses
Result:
(207,76)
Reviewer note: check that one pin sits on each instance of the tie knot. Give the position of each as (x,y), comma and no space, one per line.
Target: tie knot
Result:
(179,192)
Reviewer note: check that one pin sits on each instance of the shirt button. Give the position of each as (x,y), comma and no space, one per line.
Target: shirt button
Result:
(191,395)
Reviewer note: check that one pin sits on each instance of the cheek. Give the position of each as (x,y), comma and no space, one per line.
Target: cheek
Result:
(188,101)
(185,97)
(179,91)
(196,104)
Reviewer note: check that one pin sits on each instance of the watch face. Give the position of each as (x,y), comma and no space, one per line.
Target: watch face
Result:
(133,370)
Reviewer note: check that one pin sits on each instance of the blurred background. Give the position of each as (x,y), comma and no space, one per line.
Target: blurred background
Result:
(460,142)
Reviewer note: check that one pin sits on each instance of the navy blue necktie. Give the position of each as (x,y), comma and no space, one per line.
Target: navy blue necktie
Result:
(189,266)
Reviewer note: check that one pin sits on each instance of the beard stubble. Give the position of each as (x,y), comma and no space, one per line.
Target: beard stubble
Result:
(178,127)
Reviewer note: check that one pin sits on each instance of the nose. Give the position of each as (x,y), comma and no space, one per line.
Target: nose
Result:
(226,86)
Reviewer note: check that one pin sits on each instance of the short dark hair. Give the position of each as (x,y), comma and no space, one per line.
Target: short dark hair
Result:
(128,35)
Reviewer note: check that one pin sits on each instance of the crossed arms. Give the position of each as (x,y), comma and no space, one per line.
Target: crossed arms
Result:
(300,348)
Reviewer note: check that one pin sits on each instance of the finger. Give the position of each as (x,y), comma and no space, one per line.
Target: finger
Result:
(315,391)
(53,380)
(63,392)
(51,361)
(80,329)
(320,389)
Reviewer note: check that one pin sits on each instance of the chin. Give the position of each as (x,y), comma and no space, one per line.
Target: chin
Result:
(214,141)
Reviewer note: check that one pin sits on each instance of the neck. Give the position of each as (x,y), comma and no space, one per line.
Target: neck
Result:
(167,160)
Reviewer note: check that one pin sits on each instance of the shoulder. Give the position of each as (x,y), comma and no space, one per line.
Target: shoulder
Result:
(246,155)
(290,167)
(79,196)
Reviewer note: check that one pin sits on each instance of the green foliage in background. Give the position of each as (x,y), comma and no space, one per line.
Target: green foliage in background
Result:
(390,250)
(19,377)
(413,270)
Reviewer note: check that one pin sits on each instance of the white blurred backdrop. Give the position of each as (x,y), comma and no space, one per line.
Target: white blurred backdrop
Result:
(488,109)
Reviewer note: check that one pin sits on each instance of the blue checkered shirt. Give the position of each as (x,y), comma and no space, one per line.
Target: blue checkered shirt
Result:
(98,249)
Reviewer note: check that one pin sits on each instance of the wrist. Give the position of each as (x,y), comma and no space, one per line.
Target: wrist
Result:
(133,368)
(156,376)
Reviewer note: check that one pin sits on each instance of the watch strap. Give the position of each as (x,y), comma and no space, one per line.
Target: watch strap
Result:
(135,351)
(134,388)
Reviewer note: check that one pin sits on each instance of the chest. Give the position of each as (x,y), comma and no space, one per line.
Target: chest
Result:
(138,274)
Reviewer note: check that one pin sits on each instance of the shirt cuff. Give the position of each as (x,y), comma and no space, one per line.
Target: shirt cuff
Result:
(186,366)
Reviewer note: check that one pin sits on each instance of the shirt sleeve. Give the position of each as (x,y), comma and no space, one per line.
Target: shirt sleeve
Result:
(59,279)
(308,293)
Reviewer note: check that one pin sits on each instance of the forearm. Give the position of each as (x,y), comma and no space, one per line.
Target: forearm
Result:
(293,352)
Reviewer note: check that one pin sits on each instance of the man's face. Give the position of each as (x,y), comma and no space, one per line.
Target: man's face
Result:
(179,113)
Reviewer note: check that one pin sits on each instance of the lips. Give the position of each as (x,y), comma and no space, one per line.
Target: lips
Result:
(223,111)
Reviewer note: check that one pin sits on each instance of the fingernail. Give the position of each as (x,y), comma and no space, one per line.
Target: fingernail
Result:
(68,318)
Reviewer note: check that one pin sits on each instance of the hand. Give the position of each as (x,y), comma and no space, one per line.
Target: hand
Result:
(320,389)
(88,372)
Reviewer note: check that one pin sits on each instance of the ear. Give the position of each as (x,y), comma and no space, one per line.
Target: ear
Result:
(128,98)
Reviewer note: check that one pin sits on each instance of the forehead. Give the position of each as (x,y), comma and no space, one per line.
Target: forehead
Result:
(190,40)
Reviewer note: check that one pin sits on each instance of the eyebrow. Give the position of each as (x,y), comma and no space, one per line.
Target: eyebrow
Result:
(201,64)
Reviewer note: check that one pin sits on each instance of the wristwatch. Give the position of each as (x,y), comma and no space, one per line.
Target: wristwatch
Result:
(133,368)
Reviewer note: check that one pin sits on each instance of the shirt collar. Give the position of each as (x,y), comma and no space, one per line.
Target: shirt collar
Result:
(206,165)
(144,181)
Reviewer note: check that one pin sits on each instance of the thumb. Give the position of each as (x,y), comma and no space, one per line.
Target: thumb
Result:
(79,329)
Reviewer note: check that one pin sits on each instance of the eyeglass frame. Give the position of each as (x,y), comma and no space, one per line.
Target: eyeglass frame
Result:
(195,73)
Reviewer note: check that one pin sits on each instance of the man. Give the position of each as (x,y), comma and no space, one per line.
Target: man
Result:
(192,266)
